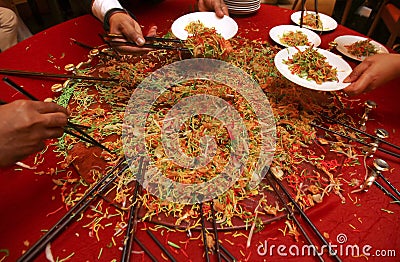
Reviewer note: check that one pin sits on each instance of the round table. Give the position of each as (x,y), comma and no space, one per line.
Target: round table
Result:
(31,203)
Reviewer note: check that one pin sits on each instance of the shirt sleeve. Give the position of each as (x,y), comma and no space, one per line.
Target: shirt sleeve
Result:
(100,7)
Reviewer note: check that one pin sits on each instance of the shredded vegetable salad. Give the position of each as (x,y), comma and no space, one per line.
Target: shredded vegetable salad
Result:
(206,42)
(311,65)
(307,162)
(313,21)
(294,38)
(362,48)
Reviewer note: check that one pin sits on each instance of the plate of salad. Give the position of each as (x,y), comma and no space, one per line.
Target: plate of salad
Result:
(183,26)
(357,47)
(313,68)
(311,20)
(293,35)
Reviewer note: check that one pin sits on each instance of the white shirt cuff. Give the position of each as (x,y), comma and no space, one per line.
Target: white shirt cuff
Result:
(100,7)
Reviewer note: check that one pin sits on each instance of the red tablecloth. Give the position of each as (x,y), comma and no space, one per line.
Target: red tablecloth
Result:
(30,203)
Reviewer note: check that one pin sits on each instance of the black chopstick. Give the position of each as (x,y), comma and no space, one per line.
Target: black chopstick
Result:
(355,140)
(389,184)
(217,249)
(51,75)
(81,44)
(303,2)
(359,131)
(74,212)
(19,89)
(293,217)
(316,12)
(160,245)
(387,192)
(143,247)
(203,230)
(87,138)
(147,38)
(162,39)
(133,216)
(153,46)
(306,218)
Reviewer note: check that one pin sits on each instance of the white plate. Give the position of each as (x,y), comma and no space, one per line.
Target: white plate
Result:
(345,40)
(328,23)
(343,69)
(225,26)
(277,32)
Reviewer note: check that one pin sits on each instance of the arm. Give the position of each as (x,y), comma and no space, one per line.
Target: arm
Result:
(373,72)
(118,21)
(24,125)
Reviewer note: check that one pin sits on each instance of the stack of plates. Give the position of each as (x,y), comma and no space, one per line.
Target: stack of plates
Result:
(242,7)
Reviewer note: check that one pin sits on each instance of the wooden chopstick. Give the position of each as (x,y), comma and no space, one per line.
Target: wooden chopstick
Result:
(51,75)
(73,213)
(84,136)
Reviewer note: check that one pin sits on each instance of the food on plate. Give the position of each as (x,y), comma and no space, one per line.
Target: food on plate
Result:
(206,42)
(311,65)
(313,21)
(362,48)
(294,38)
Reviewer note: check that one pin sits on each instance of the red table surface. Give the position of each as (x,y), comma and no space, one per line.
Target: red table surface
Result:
(27,199)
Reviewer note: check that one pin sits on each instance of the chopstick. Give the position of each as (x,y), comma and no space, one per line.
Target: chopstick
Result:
(143,247)
(303,3)
(316,12)
(203,230)
(214,223)
(74,212)
(51,75)
(359,131)
(303,215)
(154,46)
(147,38)
(133,217)
(293,217)
(121,42)
(355,140)
(218,246)
(389,184)
(81,44)
(85,137)
(387,192)
(160,246)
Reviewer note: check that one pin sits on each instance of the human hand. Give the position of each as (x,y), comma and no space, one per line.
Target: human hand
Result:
(218,6)
(123,24)
(25,124)
(373,72)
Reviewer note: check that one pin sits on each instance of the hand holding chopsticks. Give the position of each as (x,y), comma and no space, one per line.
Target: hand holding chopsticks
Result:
(69,126)
(25,125)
